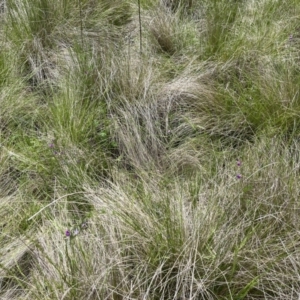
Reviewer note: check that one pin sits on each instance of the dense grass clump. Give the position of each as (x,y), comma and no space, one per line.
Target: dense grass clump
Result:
(149,149)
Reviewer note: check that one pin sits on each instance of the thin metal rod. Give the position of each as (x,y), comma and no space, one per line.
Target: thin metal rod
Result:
(140,23)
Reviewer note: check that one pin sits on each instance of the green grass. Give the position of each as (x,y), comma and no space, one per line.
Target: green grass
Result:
(153,164)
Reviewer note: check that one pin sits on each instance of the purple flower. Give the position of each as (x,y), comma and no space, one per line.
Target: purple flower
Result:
(68,233)
(238,176)
(239,163)
(51,145)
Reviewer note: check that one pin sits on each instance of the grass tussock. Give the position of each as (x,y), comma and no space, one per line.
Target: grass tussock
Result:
(149,149)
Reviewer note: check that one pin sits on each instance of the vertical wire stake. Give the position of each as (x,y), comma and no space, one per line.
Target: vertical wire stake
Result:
(81,24)
(140,23)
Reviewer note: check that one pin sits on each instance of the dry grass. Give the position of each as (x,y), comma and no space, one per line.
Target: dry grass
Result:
(167,174)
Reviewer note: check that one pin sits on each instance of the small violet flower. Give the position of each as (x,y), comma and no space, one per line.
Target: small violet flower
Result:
(238,176)
(239,163)
(68,233)
(51,145)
